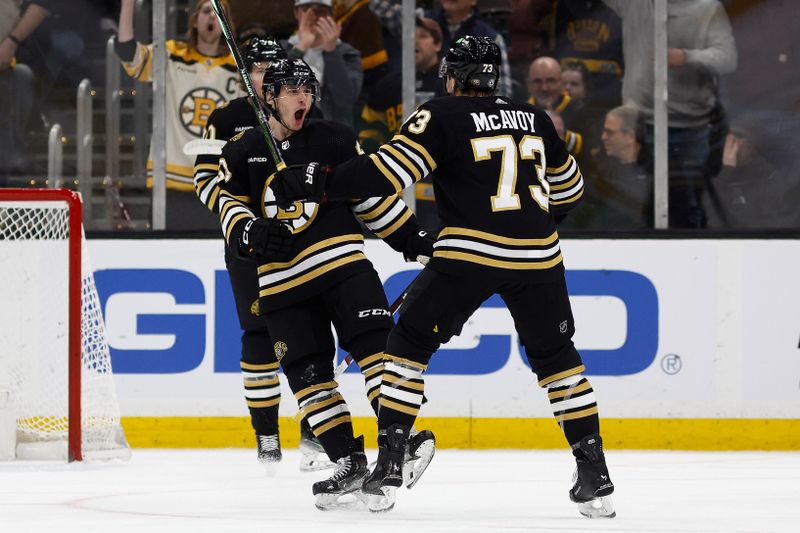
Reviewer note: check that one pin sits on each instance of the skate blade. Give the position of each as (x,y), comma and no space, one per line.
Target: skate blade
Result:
(415,467)
(313,458)
(602,507)
(351,501)
(382,503)
(270,467)
(314,464)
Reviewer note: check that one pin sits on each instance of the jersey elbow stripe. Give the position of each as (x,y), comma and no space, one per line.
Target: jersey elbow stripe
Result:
(563,169)
(387,217)
(416,147)
(568,200)
(566,185)
(418,160)
(411,167)
(362,206)
(378,209)
(398,170)
(397,224)
(391,178)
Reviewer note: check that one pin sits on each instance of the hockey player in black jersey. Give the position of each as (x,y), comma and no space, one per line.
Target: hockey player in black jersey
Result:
(312,271)
(502,179)
(258,363)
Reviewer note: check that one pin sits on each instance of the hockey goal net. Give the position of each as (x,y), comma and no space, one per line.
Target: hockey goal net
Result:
(55,365)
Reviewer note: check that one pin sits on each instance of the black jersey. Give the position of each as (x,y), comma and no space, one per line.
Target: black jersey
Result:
(227,120)
(328,243)
(500,173)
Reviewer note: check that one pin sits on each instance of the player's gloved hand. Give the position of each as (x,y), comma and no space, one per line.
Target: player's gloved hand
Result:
(267,240)
(419,247)
(300,182)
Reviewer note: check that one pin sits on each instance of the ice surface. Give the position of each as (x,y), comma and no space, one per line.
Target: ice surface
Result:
(488,491)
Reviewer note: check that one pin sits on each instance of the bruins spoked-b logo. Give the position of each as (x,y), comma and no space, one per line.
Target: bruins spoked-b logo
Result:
(196,107)
(298,216)
(280,349)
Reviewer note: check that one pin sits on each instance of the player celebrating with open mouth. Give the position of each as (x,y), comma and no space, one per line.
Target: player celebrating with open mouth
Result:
(312,271)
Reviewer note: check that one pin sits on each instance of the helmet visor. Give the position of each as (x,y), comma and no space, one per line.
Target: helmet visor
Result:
(297,85)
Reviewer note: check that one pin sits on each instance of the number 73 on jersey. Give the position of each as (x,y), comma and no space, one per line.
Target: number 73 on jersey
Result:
(530,147)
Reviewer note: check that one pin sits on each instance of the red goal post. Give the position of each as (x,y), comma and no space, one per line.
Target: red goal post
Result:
(40,232)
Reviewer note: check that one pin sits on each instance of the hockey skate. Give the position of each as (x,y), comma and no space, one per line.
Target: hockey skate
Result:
(269,452)
(592,485)
(381,486)
(312,454)
(343,489)
(419,454)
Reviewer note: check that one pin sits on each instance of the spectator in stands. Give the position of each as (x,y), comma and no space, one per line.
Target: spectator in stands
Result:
(590,33)
(575,78)
(383,115)
(16,84)
(201,74)
(363,30)
(458,18)
(529,26)
(619,193)
(274,17)
(756,188)
(336,64)
(701,48)
(390,15)
(546,90)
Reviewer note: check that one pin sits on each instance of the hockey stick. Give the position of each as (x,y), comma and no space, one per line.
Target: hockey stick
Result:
(263,124)
(341,367)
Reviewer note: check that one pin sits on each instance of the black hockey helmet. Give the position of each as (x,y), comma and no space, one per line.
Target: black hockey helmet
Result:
(474,62)
(262,50)
(293,72)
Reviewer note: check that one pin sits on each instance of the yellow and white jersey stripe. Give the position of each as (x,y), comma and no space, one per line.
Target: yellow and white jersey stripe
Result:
(403,162)
(383,216)
(313,262)
(233,209)
(487,249)
(566,183)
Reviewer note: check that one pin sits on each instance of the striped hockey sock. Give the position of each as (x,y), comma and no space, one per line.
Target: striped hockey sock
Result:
(574,407)
(328,416)
(372,368)
(262,393)
(402,391)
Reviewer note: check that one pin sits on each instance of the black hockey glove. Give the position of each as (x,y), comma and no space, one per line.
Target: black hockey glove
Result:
(419,247)
(300,182)
(267,240)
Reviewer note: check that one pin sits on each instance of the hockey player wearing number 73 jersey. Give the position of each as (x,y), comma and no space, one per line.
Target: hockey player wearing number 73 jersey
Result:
(502,179)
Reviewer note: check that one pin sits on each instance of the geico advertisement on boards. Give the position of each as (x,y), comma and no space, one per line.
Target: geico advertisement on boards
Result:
(666,328)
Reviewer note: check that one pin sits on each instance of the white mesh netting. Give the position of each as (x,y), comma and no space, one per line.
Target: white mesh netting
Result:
(34,333)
